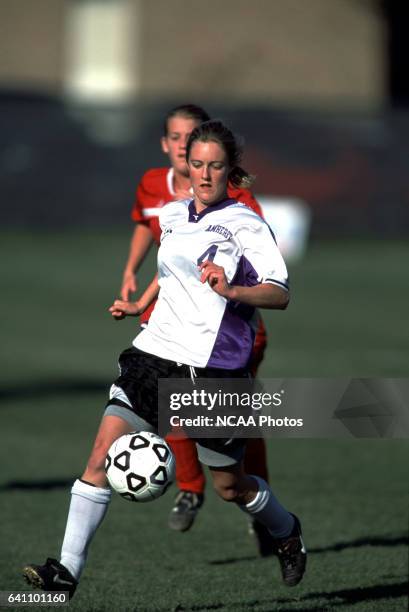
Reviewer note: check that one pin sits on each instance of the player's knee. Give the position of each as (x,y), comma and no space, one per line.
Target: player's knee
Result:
(226,492)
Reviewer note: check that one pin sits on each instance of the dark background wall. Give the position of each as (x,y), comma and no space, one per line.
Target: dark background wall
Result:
(318,89)
(351,169)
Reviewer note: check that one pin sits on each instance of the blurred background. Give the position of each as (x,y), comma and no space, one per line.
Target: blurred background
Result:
(319,90)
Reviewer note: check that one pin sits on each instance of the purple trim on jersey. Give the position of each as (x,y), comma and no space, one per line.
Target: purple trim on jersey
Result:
(195,217)
(245,276)
(235,338)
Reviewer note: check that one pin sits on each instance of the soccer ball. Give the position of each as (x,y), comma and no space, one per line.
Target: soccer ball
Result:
(140,466)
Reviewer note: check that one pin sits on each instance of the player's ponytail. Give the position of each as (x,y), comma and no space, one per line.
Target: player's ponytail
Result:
(241,178)
(216,131)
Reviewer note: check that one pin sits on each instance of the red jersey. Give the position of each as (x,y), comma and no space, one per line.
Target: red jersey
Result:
(156,189)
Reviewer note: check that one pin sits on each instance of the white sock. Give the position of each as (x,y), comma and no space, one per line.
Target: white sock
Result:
(266,509)
(87,510)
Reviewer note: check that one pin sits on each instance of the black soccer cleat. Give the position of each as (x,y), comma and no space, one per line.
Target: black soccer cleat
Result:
(185,509)
(292,555)
(264,539)
(52,576)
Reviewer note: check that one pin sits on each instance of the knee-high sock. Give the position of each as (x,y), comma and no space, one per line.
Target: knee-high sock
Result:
(87,510)
(266,509)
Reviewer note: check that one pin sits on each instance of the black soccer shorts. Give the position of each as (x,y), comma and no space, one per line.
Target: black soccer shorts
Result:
(134,397)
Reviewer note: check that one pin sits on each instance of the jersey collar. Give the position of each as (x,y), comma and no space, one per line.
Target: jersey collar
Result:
(169,180)
(195,217)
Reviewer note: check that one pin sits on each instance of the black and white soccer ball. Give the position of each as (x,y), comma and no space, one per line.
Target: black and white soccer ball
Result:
(140,466)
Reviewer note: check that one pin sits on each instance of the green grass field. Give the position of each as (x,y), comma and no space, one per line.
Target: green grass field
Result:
(348,317)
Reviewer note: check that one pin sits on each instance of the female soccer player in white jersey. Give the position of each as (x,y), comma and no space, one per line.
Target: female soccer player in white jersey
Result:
(157,187)
(198,323)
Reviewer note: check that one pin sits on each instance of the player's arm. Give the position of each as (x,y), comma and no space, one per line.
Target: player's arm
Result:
(121,308)
(264,295)
(140,243)
(269,277)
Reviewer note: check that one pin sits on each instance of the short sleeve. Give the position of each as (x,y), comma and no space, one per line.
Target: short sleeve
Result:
(260,250)
(174,212)
(137,208)
(150,195)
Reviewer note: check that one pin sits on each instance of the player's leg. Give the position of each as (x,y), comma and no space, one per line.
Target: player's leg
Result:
(254,497)
(190,480)
(255,462)
(255,458)
(90,497)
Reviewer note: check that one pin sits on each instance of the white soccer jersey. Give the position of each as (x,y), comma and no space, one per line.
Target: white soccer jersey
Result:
(191,323)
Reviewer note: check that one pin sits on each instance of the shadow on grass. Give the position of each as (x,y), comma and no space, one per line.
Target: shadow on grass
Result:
(232,560)
(346,597)
(54,387)
(353,596)
(40,485)
(368,541)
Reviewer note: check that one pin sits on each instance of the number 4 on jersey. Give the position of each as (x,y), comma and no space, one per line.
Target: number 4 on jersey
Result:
(210,254)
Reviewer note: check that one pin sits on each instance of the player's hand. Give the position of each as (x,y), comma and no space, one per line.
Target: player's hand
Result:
(129,285)
(216,277)
(121,309)
(183,194)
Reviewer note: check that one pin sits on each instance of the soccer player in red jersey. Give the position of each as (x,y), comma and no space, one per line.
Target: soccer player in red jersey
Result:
(159,186)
